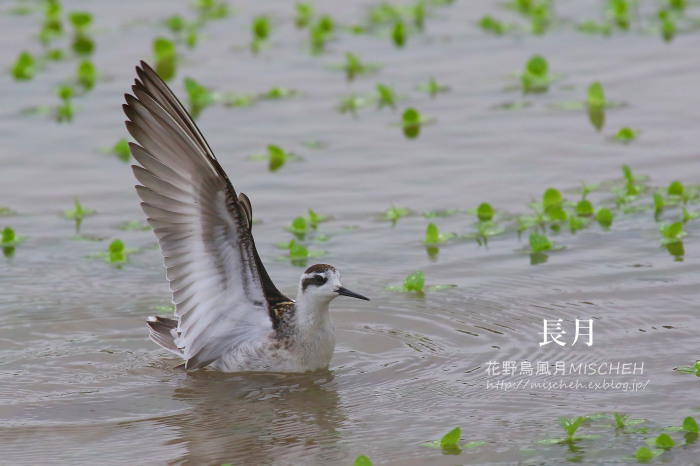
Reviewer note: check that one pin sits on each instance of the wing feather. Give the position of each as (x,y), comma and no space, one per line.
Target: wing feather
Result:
(221,290)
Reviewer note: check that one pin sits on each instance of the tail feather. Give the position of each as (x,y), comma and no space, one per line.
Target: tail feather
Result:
(164,331)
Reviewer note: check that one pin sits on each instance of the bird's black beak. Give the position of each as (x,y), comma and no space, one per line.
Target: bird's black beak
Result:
(345,292)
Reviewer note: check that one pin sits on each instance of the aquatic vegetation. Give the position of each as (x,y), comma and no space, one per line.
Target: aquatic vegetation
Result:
(198,97)
(484,212)
(354,66)
(618,12)
(535,78)
(644,454)
(449,443)
(584,208)
(412,121)
(362,460)
(299,253)
(305,13)
(625,135)
(298,226)
(667,25)
(414,282)
(65,111)
(10,239)
(121,150)
(398,34)
(320,33)
(260,29)
(432,88)
(351,103)
(278,92)
(313,219)
(276,157)
(671,233)
(604,217)
(116,253)
(490,24)
(570,426)
(86,74)
(82,44)
(78,212)
(394,213)
(134,225)
(52,25)
(24,67)
(385,97)
(433,236)
(165,58)
(210,9)
(539,243)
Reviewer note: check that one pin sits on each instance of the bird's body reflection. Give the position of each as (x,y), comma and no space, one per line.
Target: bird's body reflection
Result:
(256,418)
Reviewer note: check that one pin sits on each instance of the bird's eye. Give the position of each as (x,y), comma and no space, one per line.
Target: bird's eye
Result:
(320,279)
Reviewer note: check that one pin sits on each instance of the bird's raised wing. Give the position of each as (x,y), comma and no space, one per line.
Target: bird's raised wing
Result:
(221,291)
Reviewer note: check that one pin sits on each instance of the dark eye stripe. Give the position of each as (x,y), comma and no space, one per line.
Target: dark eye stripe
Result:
(316,280)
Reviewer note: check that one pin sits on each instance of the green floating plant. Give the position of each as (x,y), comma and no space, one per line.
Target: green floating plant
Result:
(116,253)
(276,157)
(260,28)
(210,9)
(86,74)
(304,15)
(134,225)
(394,213)
(52,25)
(626,135)
(278,93)
(398,34)
(65,111)
(313,219)
(298,226)
(492,25)
(535,78)
(433,236)
(412,121)
(121,150)
(385,97)
(350,104)
(165,58)
(82,44)
(24,67)
(432,88)
(694,369)
(320,33)
(198,97)
(10,239)
(449,443)
(604,217)
(354,67)
(671,233)
(78,212)
(362,460)
(299,253)
(570,426)
(415,282)
(539,243)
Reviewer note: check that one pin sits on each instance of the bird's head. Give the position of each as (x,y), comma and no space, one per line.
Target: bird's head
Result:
(320,283)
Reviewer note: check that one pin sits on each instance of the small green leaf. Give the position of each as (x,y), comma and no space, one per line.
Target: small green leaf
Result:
(690,425)
(571,425)
(643,454)
(675,188)
(414,282)
(298,251)
(87,75)
(584,208)
(80,19)
(432,236)
(484,212)
(604,217)
(121,150)
(305,13)
(276,157)
(411,117)
(299,224)
(8,235)
(625,135)
(596,96)
(537,66)
(23,68)
(362,460)
(398,34)
(451,439)
(395,213)
(658,202)
(551,198)
(664,441)
(539,243)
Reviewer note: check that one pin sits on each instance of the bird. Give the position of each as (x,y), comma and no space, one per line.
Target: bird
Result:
(229,315)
